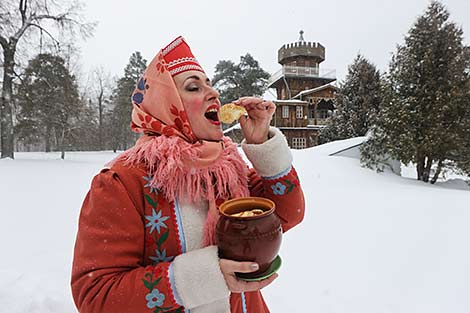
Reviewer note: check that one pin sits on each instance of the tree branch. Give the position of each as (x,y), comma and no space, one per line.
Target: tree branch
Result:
(18,76)
(62,19)
(23,7)
(3,42)
(25,21)
(58,18)
(44,30)
(46,7)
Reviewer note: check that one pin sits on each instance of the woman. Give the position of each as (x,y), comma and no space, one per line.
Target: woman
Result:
(146,232)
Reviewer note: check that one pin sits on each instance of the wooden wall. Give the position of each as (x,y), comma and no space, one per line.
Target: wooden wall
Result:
(310,134)
(292,120)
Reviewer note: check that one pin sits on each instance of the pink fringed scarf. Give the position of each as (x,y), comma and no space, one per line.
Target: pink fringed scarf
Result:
(178,169)
(181,165)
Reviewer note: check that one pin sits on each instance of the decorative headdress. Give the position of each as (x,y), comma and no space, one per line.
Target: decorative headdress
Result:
(179,57)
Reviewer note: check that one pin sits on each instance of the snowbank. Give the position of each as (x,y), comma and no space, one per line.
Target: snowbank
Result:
(369,242)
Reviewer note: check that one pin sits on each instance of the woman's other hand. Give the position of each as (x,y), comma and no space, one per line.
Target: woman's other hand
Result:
(229,267)
(255,126)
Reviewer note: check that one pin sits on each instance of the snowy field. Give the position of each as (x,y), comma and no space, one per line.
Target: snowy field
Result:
(370,243)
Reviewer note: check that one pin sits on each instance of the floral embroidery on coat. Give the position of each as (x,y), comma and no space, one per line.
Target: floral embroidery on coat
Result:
(278,188)
(157,234)
(154,298)
(282,186)
(157,221)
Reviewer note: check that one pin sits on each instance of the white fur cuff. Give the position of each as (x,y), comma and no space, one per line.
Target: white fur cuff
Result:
(198,279)
(271,157)
(220,306)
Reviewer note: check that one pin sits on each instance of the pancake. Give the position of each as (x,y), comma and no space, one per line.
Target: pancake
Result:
(231,112)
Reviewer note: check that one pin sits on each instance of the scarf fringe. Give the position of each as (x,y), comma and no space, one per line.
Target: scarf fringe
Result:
(165,158)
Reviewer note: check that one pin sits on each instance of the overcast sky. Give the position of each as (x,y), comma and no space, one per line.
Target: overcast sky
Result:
(225,30)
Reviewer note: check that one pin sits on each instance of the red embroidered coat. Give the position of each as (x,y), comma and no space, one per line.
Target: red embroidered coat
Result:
(130,238)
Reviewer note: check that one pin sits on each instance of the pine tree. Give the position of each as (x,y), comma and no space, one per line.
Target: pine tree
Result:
(461,157)
(49,102)
(246,78)
(121,100)
(84,135)
(424,117)
(357,102)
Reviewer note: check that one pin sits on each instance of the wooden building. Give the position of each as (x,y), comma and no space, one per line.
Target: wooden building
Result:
(304,92)
(321,102)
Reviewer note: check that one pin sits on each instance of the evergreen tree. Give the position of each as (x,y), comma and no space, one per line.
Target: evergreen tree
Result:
(49,102)
(461,158)
(246,78)
(121,100)
(357,102)
(84,135)
(424,118)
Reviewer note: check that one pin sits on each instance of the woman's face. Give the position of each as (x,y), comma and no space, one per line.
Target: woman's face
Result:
(201,103)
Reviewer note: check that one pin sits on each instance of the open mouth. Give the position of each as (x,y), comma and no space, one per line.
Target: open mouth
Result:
(212,114)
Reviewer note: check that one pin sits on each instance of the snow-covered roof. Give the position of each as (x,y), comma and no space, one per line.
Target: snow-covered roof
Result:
(309,91)
(290,102)
(347,148)
(302,128)
(316,126)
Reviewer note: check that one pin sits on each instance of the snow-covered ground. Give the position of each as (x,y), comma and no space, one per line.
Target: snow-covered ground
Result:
(370,242)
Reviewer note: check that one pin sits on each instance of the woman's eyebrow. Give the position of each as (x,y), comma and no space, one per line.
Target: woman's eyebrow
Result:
(193,77)
(208,81)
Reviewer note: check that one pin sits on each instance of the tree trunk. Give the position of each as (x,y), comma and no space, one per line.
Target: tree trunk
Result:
(427,170)
(48,138)
(6,112)
(62,145)
(419,165)
(438,171)
(100,120)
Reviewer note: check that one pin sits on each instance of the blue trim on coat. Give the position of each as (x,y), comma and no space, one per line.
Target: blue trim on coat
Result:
(281,174)
(179,222)
(243,303)
(173,286)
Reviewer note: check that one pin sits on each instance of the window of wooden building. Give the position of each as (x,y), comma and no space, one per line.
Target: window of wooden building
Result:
(299,111)
(299,142)
(323,114)
(285,111)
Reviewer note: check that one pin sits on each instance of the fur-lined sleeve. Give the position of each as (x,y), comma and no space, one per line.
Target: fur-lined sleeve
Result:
(275,178)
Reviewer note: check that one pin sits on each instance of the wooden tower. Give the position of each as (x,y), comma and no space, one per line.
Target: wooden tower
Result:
(305,95)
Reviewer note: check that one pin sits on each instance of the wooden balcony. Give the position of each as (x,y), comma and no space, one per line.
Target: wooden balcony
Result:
(301,71)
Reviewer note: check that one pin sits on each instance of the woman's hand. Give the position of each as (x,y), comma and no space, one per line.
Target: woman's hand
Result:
(255,126)
(229,267)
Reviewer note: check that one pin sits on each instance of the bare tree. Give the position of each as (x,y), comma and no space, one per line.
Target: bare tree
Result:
(101,88)
(26,19)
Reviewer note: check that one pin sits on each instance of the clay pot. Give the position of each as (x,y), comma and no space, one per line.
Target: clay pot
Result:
(256,238)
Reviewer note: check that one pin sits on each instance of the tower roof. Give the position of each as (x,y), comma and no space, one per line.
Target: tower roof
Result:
(301,48)
(301,38)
